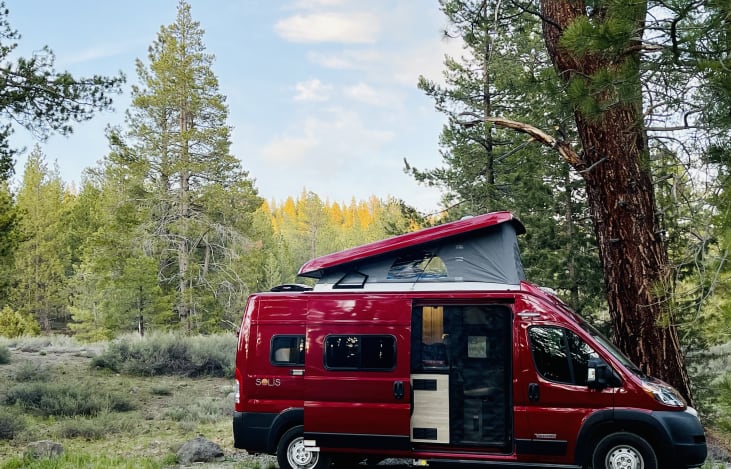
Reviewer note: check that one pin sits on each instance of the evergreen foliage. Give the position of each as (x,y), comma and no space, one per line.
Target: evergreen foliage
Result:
(42,256)
(505,71)
(15,324)
(36,96)
(183,204)
(8,240)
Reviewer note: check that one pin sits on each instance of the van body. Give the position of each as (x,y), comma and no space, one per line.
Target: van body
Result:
(432,346)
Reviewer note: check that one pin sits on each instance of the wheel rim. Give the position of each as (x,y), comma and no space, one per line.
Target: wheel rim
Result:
(624,457)
(298,456)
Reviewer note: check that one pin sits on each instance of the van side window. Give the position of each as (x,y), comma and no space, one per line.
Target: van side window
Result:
(287,350)
(560,355)
(360,352)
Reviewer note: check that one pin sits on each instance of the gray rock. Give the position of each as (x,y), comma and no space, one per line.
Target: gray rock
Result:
(44,449)
(199,450)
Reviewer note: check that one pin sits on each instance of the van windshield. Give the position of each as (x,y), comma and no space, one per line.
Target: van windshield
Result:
(612,349)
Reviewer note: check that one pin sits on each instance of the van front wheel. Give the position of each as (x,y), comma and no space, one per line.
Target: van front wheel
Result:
(292,454)
(623,451)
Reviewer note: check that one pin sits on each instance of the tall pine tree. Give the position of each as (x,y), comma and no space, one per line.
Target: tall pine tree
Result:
(505,71)
(199,199)
(42,257)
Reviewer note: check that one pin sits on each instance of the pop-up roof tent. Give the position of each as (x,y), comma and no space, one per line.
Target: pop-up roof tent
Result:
(476,249)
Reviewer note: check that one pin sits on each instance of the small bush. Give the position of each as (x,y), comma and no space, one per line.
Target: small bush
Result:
(49,399)
(170,354)
(94,428)
(11,423)
(205,410)
(161,390)
(31,371)
(4,355)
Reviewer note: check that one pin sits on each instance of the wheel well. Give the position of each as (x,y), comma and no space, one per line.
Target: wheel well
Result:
(283,422)
(642,429)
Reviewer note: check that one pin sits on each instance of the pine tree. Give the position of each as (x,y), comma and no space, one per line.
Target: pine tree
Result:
(198,198)
(35,95)
(505,71)
(115,285)
(41,260)
(8,241)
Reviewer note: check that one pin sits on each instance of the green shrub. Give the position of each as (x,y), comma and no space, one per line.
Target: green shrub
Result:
(15,324)
(31,371)
(96,428)
(170,354)
(161,390)
(11,423)
(4,355)
(204,410)
(49,399)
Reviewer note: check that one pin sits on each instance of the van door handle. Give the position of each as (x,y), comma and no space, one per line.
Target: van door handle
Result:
(398,389)
(534,392)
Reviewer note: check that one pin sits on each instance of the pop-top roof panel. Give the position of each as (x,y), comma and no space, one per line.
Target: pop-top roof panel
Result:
(373,253)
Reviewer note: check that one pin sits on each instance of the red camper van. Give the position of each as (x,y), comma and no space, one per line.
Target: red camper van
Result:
(432,346)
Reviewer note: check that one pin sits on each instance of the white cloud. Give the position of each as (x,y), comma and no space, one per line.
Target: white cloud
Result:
(351,28)
(347,60)
(362,92)
(426,60)
(367,94)
(289,150)
(322,144)
(312,90)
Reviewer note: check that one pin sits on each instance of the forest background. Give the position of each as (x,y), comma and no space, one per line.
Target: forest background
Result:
(168,231)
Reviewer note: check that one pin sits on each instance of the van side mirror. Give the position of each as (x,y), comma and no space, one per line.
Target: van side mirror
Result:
(599,375)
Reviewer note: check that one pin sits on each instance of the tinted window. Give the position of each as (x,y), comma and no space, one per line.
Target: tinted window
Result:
(362,352)
(288,350)
(560,355)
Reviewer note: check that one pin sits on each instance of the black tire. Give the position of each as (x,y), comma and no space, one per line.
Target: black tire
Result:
(291,453)
(623,450)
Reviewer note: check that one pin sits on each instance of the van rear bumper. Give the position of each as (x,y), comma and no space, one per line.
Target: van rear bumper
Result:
(251,431)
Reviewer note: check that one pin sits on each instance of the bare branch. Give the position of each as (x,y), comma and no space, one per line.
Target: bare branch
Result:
(561,146)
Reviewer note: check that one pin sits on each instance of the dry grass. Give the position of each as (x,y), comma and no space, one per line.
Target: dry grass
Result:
(167,411)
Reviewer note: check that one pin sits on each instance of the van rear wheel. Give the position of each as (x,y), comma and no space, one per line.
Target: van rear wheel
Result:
(624,450)
(292,454)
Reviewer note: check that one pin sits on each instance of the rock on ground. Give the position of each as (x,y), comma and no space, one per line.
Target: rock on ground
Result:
(199,450)
(44,449)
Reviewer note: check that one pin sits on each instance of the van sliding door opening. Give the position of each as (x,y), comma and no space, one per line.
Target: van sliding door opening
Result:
(460,369)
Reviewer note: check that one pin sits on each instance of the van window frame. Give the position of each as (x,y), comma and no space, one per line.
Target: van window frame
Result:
(359,368)
(290,363)
(575,379)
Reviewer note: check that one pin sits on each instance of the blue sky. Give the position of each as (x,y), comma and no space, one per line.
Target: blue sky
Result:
(322,93)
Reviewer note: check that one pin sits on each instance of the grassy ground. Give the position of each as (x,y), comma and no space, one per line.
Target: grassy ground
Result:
(135,422)
(165,413)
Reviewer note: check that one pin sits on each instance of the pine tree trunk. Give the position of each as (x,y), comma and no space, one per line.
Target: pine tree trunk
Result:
(621,199)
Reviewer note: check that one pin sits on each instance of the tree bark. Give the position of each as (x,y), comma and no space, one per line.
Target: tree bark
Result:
(615,168)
